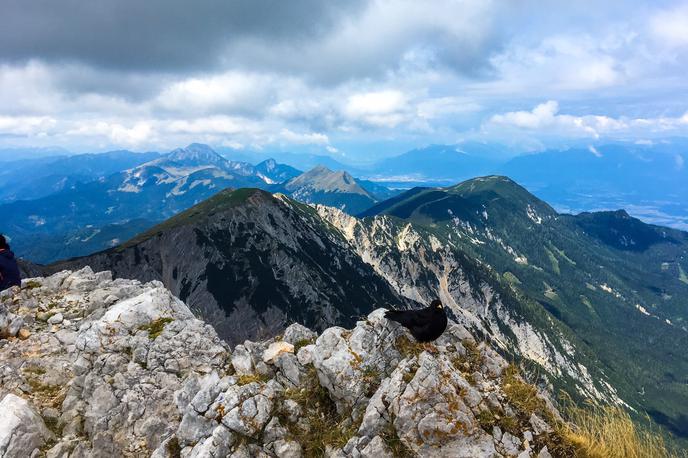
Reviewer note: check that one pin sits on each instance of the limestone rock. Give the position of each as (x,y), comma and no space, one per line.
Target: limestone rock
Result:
(22,430)
(56,319)
(129,371)
(241,360)
(296,333)
(275,349)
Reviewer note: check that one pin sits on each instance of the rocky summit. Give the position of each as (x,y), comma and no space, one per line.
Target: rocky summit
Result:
(96,367)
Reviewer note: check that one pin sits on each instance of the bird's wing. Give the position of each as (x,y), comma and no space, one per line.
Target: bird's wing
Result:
(406,318)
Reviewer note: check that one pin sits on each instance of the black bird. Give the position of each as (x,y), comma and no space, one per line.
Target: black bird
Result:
(425,324)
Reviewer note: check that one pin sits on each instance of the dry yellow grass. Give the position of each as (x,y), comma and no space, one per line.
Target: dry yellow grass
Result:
(591,431)
(610,432)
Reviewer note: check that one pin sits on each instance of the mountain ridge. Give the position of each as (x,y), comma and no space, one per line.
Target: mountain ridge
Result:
(251,261)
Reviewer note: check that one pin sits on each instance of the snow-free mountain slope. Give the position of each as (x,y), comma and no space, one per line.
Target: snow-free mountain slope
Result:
(321,185)
(437,163)
(614,282)
(250,262)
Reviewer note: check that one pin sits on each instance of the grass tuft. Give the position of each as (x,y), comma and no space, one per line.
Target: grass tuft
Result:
(407,347)
(325,426)
(299,344)
(591,432)
(610,432)
(31,284)
(155,327)
(523,396)
(245,379)
(470,362)
(33,370)
(174,450)
(372,378)
(394,443)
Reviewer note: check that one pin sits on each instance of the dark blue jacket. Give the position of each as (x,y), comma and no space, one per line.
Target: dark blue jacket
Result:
(9,271)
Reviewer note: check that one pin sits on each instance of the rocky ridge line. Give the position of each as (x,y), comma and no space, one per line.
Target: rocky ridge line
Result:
(120,368)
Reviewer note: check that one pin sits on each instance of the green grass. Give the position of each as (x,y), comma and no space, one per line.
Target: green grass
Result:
(562,254)
(408,347)
(326,426)
(511,278)
(31,284)
(219,202)
(393,442)
(470,362)
(33,370)
(245,379)
(554,261)
(299,344)
(155,327)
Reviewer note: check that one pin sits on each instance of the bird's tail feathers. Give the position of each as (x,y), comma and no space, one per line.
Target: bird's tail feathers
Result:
(392,315)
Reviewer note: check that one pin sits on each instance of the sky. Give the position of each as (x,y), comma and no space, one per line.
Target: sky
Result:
(354,79)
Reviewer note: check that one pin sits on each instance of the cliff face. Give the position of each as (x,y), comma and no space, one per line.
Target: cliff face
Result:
(420,267)
(106,367)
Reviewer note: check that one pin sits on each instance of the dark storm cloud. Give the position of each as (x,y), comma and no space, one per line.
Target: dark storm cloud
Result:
(160,35)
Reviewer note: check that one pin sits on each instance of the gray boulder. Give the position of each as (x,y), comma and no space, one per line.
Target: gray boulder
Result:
(22,430)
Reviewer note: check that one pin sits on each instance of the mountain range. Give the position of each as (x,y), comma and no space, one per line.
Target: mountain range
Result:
(95,208)
(55,220)
(33,178)
(649,181)
(592,304)
(609,282)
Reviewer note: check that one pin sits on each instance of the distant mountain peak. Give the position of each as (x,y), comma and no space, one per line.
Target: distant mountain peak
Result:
(273,172)
(499,184)
(269,164)
(321,178)
(197,153)
(471,198)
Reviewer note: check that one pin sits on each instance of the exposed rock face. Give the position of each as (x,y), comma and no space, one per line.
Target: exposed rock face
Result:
(130,372)
(10,323)
(104,377)
(422,268)
(22,430)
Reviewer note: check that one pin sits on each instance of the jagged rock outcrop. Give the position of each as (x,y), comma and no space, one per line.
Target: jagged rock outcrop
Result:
(103,375)
(129,371)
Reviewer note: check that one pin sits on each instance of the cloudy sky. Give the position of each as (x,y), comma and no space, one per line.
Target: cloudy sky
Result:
(357,79)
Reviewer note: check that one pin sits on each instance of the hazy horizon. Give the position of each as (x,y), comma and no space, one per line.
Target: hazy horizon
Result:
(355,80)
